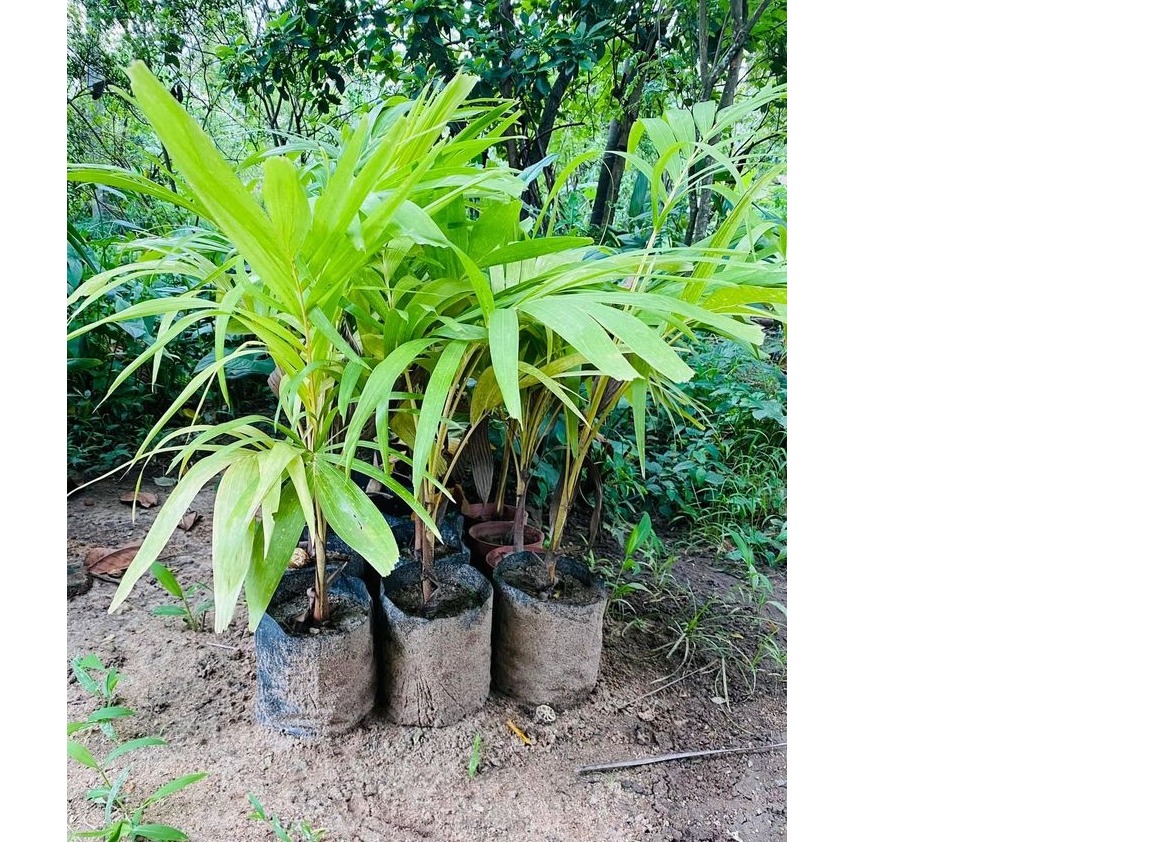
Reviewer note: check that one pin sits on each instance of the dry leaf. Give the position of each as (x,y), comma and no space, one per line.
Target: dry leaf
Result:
(110,562)
(189,520)
(144,499)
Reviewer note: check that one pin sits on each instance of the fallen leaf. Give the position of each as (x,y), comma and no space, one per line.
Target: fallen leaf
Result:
(189,520)
(110,562)
(718,700)
(144,499)
(164,482)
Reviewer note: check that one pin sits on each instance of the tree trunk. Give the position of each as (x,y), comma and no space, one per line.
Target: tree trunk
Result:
(540,135)
(612,164)
(507,23)
(701,207)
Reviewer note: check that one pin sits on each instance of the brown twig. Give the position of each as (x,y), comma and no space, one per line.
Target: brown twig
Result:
(515,730)
(681,755)
(624,705)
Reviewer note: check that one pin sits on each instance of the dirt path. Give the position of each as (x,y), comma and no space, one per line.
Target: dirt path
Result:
(384,782)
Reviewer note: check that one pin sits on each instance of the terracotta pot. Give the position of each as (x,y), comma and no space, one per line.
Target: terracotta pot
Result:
(497,555)
(482,512)
(493,534)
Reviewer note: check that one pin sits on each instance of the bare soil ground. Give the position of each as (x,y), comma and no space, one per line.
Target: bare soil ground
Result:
(385,782)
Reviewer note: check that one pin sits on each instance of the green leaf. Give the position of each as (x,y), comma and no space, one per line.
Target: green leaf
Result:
(637,537)
(81,754)
(171,514)
(703,116)
(132,745)
(393,485)
(480,283)
(233,533)
(259,810)
(584,333)
(319,320)
(504,345)
(347,385)
(81,667)
(169,611)
(641,340)
(435,397)
(635,133)
(354,517)
(108,713)
(161,832)
(267,569)
(637,403)
(226,200)
(166,579)
(244,487)
(668,307)
(380,384)
(410,221)
(112,833)
(527,249)
(554,387)
(174,786)
(286,203)
(122,179)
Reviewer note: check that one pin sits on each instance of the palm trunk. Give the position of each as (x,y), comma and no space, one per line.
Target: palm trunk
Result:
(426,561)
(321,610)
(521,516)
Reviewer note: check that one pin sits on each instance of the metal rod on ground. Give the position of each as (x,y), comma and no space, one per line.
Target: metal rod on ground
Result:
(662,758)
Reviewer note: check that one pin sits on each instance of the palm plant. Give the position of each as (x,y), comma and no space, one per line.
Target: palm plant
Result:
(656,295)
(294,261)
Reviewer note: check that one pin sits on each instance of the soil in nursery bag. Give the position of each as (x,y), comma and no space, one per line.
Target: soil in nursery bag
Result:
(567,590)
(448,600)
(546,646)
(435,670)
(346,615)
(321,682)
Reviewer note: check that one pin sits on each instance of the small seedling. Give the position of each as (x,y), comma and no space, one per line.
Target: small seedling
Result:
(622,579)
(302,833)
(474,759)
(761,589)
(100,686)
(194,617)
(124,820)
